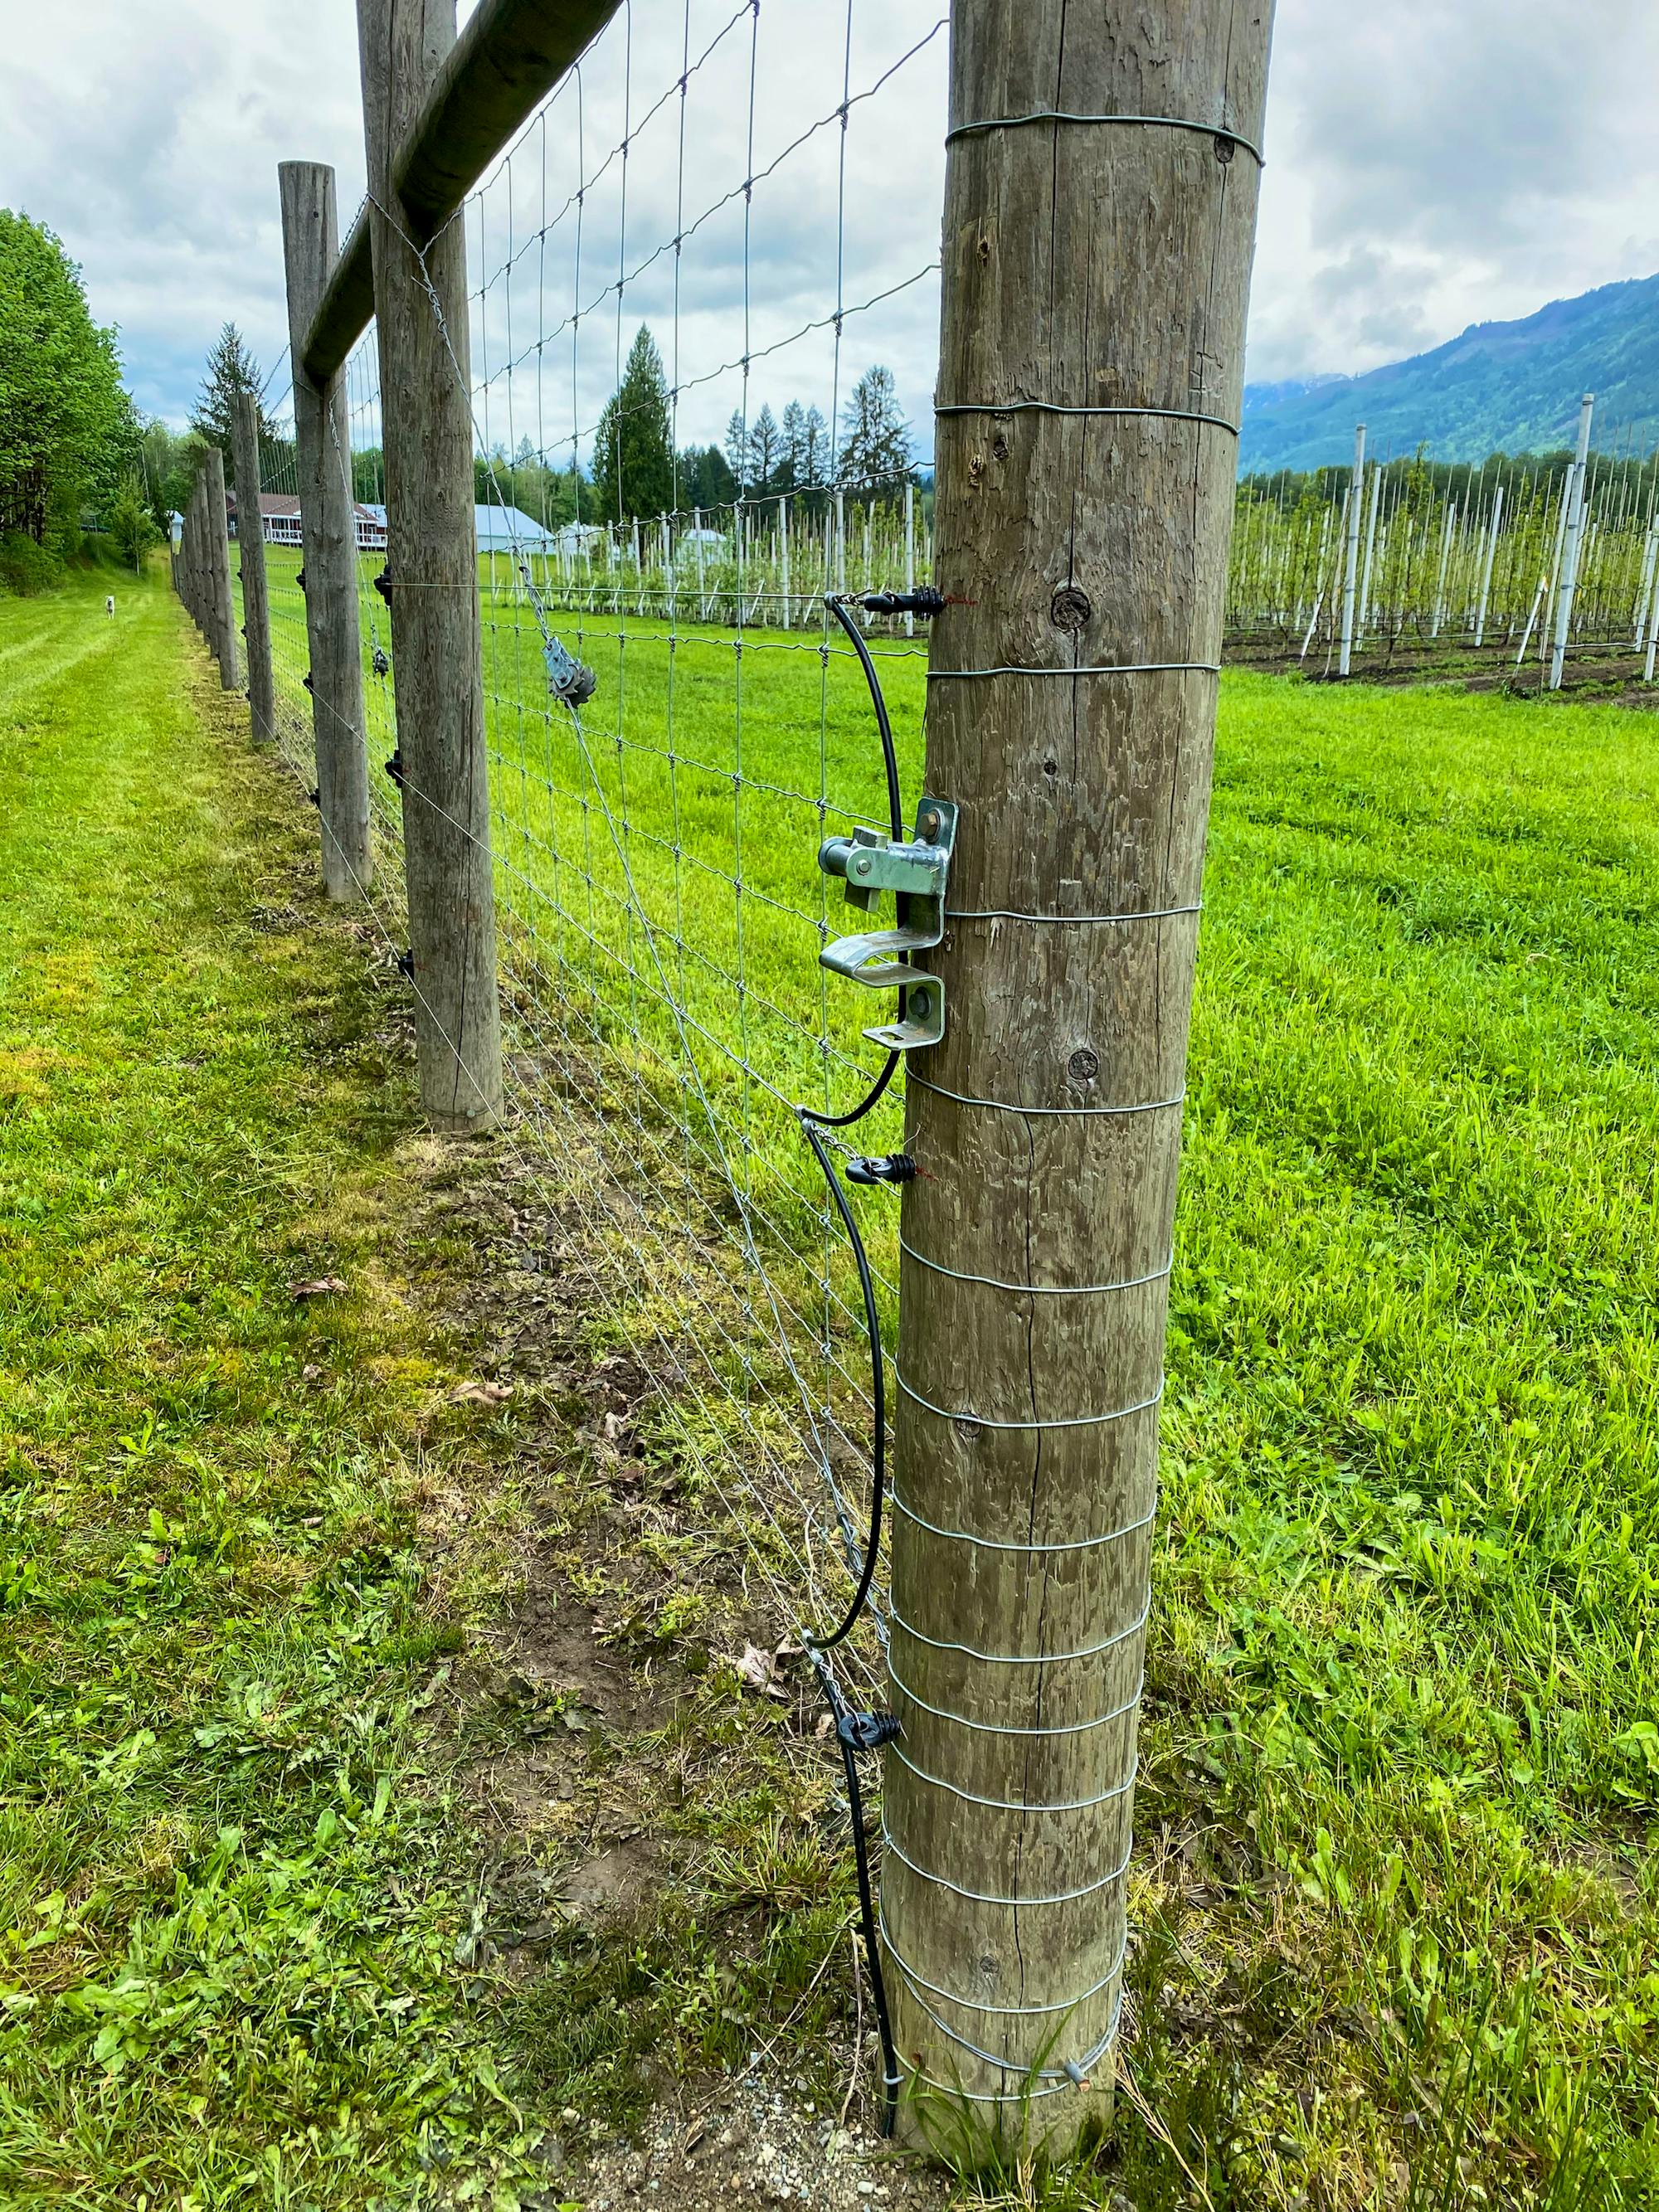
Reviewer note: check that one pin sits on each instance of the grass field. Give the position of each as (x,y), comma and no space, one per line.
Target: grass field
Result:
(1396,1901)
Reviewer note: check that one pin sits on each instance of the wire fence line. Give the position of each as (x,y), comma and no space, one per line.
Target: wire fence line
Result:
(660,906)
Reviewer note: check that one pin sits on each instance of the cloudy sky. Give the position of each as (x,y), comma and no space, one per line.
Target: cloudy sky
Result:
(1444,162)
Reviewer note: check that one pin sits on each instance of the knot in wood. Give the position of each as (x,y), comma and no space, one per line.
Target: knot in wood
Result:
(1224,150)
(1070,607)
(1084,1066)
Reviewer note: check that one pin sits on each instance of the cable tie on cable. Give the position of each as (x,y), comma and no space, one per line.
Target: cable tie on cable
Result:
(381,662)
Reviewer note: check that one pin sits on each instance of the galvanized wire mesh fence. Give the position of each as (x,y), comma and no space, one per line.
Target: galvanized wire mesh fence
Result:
(659,903)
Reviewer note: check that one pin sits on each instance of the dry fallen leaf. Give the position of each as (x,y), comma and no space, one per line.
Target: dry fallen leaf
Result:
(322,1286)
(755,1670)
(481,1394)
(826,1727)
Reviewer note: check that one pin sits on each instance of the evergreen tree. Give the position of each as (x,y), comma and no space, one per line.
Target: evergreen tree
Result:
(875,453)
(792,440)
(736,449)
(706,482)
(765,453)
(633,453)
(231,370)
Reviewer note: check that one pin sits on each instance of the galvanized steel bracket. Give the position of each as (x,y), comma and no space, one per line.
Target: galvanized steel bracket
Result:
(916,873)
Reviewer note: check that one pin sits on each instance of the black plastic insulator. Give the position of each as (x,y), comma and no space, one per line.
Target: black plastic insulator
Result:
(406,965)
(383,584)
(315,797)
(306,680)
(885,1167)
(867,1731)
(301,580)
(394,767)
(926,601)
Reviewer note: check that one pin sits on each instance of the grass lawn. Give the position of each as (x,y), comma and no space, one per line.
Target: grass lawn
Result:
(228,1905)
(1395,1900)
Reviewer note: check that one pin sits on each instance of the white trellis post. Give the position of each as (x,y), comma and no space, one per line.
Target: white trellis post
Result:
(1445,557)
(1645,591)
(1364,608)
(1485,567)
(841,543)
(1351,573)
(783,561)
(1574,541)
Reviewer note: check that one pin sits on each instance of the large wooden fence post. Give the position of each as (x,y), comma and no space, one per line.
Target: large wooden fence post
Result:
(328,529)
(191,551)
(220,607)
(1101,192)
(421,312)
(250,555)
(203,587)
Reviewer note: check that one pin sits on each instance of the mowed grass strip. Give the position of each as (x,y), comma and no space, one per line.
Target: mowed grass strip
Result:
(230,1888)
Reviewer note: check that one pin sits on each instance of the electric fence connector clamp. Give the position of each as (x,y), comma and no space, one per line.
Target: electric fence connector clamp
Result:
(917,873)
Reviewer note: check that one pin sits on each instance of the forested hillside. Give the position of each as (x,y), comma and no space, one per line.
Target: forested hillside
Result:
(1501,387)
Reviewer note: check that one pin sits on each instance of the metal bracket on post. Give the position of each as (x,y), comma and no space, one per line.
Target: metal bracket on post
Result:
(916,873)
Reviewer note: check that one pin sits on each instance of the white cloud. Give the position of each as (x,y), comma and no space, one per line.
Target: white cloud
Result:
(1437,163)
(1441,163)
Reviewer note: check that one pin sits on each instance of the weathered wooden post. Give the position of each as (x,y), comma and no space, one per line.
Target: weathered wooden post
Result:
(203,589)
(1101,192)
(909,552)
(421,311)
(328,532)
(192,551)
(251,557)
(222,608)
(1351,569)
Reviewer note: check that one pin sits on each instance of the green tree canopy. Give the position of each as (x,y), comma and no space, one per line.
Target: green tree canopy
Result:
(231,369)
(633,449)
(67,431)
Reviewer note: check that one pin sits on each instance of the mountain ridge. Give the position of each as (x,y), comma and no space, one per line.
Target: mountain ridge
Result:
(1496,387)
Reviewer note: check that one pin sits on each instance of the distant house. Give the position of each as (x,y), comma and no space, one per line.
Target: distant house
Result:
(279,512)
(510,530)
